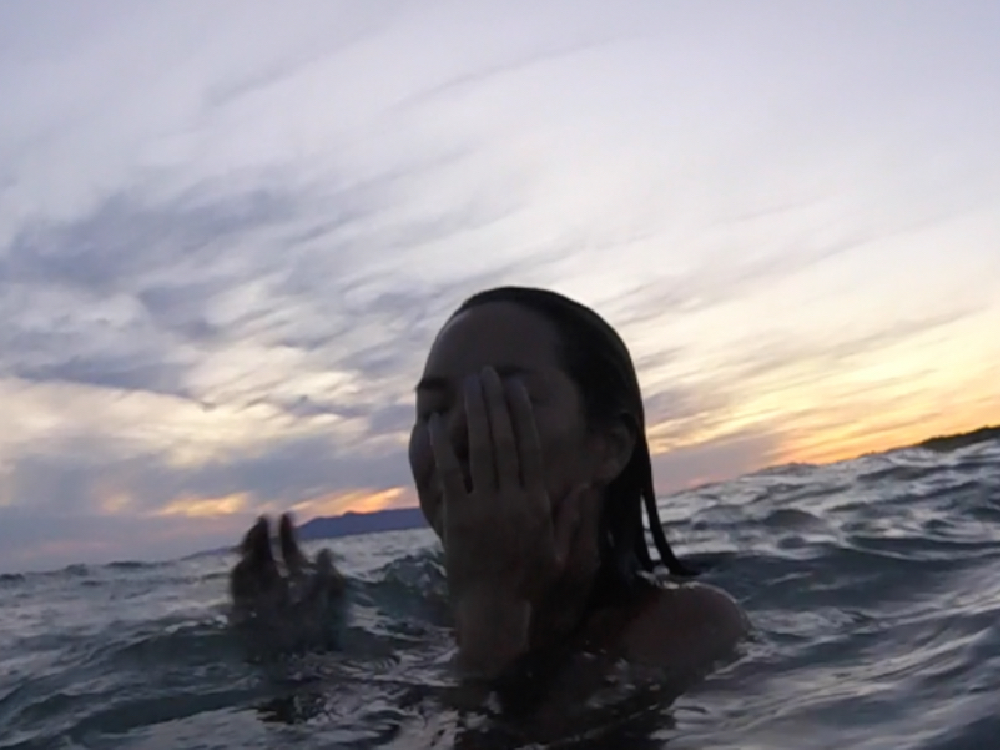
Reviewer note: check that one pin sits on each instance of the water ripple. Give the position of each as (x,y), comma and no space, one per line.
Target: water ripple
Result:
(871,585)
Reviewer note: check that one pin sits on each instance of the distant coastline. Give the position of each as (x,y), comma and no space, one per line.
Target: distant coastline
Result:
(347,524)
(403,519)
(960,440)
(354,524)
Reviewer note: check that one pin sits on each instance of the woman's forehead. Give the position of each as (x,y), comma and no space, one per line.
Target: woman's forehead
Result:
(498,334)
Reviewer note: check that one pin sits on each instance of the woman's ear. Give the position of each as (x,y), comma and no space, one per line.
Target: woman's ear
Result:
(616,445)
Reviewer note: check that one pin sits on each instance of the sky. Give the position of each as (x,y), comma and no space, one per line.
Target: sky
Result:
(230,230)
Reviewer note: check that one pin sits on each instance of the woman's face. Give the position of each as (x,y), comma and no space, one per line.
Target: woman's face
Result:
(518,343)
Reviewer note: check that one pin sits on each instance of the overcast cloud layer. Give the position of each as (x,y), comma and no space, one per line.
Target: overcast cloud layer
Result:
(229,231)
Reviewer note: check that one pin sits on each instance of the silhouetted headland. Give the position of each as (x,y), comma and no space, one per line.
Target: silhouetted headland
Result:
(353,524)
(348,524)
(960,440)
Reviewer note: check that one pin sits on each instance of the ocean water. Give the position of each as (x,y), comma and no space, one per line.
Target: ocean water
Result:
(873,587)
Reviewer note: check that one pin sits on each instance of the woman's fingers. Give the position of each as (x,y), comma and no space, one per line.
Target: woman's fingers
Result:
(448,469)
(327,574)
(501,430)
(256,575)
(256,545)
(481,460)
(504,447)
(291,553)
(528,443)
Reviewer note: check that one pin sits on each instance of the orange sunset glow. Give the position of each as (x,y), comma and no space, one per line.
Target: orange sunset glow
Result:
(356,501)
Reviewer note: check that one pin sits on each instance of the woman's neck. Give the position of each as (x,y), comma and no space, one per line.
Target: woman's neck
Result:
(562,615)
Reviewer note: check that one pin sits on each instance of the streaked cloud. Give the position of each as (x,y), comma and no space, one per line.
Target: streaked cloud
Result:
(227,238)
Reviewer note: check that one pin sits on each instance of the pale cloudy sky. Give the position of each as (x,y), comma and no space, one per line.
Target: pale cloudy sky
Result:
(229,230)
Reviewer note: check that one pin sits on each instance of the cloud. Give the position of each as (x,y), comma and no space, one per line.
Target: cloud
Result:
(716,459)
(83,475)
(228,238)
(781,362)
(43,540)
(310,362)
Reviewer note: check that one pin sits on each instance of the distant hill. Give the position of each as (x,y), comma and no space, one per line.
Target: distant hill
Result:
(348,524)
(401,519)
(951,442)
(353,524)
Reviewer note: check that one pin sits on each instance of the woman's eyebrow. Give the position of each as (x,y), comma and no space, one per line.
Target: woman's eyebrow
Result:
(438,383)
(506,371)
(432,383)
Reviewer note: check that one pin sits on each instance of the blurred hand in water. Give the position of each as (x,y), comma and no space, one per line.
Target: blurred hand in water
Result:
(285,604)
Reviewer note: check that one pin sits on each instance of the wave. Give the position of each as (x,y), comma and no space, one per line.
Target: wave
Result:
(871,586)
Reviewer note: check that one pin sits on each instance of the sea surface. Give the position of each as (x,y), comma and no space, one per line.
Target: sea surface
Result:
(873,586)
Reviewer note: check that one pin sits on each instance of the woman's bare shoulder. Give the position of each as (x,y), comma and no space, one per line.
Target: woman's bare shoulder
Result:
(689,627)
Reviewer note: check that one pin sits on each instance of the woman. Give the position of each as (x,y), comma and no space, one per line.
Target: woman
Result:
(531,464)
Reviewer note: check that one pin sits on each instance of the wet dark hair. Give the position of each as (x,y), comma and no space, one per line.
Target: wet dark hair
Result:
(597,360)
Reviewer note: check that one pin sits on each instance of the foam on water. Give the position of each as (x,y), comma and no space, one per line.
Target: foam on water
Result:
(873,586)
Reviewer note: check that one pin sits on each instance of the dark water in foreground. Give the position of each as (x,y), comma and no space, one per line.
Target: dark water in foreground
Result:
(873,585)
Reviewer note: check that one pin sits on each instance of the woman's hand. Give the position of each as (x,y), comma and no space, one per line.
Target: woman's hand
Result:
(290,608)
(503,548)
